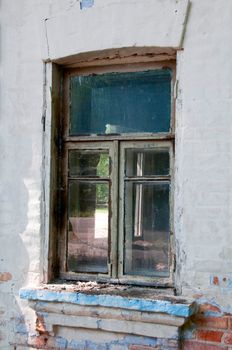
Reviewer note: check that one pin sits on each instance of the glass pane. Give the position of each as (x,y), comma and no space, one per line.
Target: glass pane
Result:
(121,103)
(88,227)
(88,163)
(140,162)
(146,251)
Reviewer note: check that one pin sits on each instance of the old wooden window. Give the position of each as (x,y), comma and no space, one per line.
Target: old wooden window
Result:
(116,181)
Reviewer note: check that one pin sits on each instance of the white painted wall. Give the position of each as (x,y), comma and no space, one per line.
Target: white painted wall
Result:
(204,150)
(203,199)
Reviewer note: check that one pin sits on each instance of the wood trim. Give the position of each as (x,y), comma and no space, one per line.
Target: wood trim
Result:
(118,56)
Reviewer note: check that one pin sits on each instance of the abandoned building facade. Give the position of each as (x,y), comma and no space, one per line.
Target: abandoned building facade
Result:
(116,168)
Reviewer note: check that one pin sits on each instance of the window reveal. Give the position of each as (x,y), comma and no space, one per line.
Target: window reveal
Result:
(117,176)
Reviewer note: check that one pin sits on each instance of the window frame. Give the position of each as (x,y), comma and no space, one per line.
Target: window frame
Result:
(66,142)
(88,145)
(137,279)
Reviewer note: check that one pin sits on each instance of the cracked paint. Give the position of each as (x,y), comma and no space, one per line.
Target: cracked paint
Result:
(169,307)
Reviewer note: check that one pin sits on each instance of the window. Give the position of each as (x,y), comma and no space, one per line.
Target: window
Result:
(116,161)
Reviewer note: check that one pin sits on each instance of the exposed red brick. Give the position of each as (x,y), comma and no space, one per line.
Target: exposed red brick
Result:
(5,276)
(228,338)
(216,280)
(195,345)
(40,327)
(208,307)
(230,322)
(211,322)
(39,342)
(207,335)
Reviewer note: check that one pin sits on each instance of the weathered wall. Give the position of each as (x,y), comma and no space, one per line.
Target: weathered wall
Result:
(203,195)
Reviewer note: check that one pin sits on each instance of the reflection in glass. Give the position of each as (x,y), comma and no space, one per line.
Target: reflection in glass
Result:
(121,102)
(146,251)
(88,227)
(147,162)
(88,163)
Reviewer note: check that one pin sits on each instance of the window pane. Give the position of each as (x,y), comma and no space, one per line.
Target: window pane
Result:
(88,163)
(146,251)
(140,162)
(88,227)
(121,103)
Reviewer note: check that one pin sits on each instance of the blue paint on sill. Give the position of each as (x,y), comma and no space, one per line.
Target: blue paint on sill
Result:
(86,4)
(173,307)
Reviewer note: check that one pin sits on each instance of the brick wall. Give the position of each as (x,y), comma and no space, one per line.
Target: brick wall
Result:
(210,329)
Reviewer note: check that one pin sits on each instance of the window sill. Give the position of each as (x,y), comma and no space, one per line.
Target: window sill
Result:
(105,295)
(109,308)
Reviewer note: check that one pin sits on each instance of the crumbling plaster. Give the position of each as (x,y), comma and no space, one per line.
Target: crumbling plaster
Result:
(203,194)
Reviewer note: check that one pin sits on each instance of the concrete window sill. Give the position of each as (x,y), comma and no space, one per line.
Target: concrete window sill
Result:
(109,308)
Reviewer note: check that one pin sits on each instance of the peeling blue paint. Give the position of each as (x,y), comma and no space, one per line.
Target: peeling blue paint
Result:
(61,343)
(165,306)
(74,344)
(20,326)
(212,301)
(93,346)
(123,343)
(133,339)
(86,4)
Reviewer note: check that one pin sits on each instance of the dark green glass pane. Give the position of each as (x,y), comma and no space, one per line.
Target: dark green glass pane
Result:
(141,162)
(88,227)
(121,103)
(88,163)
(146,249)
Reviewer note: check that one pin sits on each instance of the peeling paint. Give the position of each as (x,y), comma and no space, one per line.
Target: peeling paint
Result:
(203,137)
(20,326)
(61,342)
(86,4)
(124,343)
(169,307)
(5,276)
(221,281)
